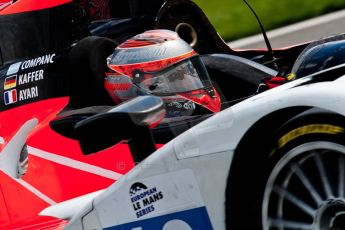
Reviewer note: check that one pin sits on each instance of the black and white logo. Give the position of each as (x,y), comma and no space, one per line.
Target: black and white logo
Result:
(144,198)
(136,188)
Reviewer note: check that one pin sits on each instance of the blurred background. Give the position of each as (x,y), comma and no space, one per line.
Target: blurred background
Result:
(233,19)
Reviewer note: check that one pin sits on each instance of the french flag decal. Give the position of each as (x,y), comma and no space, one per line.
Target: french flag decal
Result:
(10,96)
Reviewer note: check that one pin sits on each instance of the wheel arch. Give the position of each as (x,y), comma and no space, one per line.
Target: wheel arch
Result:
(273,121)
(250,149)
(268,124)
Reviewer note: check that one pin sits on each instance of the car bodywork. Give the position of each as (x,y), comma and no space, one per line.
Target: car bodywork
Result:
(184,183)
(35,89)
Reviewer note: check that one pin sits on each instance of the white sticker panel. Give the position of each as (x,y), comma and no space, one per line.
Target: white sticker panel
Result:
(151,197)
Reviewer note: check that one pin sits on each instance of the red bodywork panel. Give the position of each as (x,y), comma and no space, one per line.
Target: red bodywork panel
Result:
(57,169)
(4,4)
(21,6)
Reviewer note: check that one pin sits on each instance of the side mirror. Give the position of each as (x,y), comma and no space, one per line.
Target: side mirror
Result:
(65,122)
(130,121)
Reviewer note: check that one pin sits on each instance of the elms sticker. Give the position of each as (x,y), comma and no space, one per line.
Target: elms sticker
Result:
(163,202)
(144,198)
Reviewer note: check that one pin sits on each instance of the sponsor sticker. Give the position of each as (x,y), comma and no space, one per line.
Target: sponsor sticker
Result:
(156,203)
(28,93)
(46,59)
(22,79)
(309,129)
(144,198)
(33,76)
(43,60)
(14,95)
(10,96)
(14,68)
(31,79)
(159,194)
(10,82)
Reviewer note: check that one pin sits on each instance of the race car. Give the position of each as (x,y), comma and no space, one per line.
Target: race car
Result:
(49,65)
(273,161)
(37,44)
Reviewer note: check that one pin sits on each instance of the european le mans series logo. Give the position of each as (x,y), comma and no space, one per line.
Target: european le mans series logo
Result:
(10,82)
(144,198)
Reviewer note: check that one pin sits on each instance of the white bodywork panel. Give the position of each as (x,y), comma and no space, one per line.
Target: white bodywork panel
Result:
(66,209)
(9,156)
(204,154)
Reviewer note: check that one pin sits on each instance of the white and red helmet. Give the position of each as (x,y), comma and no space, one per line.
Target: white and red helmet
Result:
(160,63)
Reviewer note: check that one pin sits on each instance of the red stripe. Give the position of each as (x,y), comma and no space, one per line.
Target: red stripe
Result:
(127,69)
(136,43)
(32,5)
(14,95)
(10,81)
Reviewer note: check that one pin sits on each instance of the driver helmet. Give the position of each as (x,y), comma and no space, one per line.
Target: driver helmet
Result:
(160,63)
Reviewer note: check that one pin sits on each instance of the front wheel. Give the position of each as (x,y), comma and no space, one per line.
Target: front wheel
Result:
(305,189)
(298,182)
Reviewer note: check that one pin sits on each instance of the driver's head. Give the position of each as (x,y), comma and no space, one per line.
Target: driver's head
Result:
(160,63)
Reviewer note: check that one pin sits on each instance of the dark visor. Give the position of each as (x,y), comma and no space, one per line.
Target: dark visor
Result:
(185,76)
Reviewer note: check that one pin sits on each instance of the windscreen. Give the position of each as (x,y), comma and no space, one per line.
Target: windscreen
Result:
(319,55)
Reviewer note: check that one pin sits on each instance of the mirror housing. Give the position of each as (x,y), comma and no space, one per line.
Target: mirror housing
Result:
(65,122)
(130,121)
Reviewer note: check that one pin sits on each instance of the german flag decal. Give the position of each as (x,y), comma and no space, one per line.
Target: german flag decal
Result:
(10,82)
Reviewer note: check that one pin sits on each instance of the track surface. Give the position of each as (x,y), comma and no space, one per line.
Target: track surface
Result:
(312,29)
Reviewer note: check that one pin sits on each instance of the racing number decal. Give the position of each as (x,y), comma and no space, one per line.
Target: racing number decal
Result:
(309,129)
(184,220)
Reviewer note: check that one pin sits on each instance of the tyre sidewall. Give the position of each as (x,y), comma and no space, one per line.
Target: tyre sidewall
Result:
(254,176)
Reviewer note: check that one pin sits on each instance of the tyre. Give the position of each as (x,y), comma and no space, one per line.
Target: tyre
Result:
(87,65)
(296,181)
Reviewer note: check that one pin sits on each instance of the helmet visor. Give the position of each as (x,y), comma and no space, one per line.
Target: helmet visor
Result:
(185,76)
